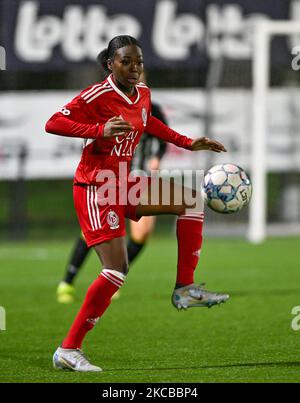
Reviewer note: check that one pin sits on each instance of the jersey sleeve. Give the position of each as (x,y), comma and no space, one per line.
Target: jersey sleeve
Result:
(158,147)
(161,148)
(158,129)
(75,120)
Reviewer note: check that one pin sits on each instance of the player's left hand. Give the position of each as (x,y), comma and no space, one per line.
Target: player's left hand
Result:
(204,143)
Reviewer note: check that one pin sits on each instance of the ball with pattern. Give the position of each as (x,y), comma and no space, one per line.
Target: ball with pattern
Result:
(226,188)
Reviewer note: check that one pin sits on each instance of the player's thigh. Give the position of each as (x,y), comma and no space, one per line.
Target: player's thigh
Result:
(167,197)
(113,254)
(141,230)
(103,226)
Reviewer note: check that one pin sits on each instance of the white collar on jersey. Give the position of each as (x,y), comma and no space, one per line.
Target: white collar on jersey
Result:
(111,82)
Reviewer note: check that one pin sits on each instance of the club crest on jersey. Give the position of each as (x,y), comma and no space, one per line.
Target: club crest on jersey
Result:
(113,220)
(144,116)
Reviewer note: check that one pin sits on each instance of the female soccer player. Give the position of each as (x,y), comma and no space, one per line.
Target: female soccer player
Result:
(147,158)
(111,117)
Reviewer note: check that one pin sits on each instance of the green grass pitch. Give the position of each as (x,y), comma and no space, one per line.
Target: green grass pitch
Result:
(142,338)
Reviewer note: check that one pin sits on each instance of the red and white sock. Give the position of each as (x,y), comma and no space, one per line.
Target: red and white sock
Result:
(189,239)
(97,300)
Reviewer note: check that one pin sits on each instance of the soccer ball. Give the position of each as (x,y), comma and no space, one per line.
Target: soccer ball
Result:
(226,188)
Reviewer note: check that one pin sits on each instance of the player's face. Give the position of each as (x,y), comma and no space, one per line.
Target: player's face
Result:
(127,66)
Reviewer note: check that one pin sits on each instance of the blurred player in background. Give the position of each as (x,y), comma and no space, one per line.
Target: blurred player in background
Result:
(111,117)
(147,158)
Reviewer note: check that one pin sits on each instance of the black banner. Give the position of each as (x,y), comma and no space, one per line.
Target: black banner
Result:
(57,34)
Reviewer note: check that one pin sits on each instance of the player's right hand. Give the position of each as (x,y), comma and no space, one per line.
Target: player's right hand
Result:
(116,126)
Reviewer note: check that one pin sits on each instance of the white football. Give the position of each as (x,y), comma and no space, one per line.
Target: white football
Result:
(226,188)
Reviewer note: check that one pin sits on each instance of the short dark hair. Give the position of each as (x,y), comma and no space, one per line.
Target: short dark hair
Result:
(115,43)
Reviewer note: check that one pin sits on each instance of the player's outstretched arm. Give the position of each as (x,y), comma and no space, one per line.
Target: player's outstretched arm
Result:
(160,130)
(64,126)
(157,128)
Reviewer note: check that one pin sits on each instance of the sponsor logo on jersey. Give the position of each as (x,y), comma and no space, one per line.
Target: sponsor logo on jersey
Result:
(113,220)
(124,145)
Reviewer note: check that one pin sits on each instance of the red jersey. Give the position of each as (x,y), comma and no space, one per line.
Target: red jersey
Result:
(86,115)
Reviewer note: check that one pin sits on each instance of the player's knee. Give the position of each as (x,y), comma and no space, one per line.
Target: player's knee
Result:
(180,210)
(193,200)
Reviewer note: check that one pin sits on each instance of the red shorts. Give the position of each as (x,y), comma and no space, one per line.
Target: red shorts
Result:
(101,222)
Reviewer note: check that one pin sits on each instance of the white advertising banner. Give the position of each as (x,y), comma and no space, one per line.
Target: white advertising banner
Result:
(26,150)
